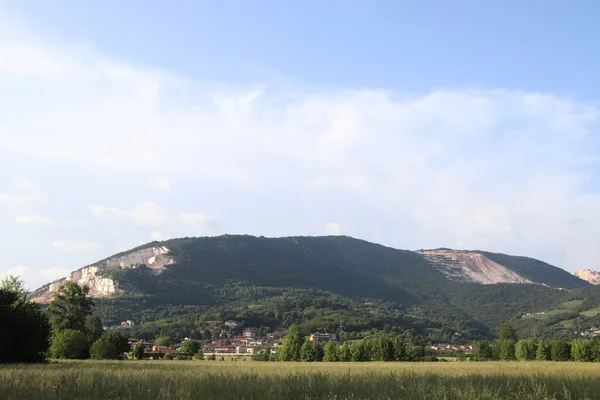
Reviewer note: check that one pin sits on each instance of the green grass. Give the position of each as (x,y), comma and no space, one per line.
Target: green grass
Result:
(592,312)
(182,380)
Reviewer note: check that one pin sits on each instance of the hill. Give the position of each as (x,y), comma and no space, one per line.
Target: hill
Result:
(178,285)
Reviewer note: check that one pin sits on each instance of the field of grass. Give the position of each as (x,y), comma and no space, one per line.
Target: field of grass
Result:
(158,380)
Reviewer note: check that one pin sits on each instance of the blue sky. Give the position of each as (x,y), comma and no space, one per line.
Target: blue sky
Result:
(468,124)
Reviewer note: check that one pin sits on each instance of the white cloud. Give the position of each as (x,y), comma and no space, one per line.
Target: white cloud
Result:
(161,184)
(142,214)
(503,169)
(23,194)
(37,220)
(200,223)
(157,236)
(333,228)
(76,246)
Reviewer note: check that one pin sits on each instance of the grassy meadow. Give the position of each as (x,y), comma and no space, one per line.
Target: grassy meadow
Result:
(157,380)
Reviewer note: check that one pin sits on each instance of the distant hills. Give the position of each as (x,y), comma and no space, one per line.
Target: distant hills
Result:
(318,282)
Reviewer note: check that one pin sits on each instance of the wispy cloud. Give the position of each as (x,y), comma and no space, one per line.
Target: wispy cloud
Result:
(500,169)
(76,246)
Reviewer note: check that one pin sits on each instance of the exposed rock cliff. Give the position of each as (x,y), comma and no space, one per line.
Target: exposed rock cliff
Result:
(466,266)
(155,258)
(589,275)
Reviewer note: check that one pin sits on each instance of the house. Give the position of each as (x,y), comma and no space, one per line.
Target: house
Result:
(249,333)
(322,337)
(225,349)
(127,324)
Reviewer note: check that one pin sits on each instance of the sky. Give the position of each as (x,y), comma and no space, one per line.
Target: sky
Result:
(465,124)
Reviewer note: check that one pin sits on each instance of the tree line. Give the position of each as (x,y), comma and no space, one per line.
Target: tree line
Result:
(67,330)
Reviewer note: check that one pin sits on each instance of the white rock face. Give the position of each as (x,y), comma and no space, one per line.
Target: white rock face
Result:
(155,258)
(589,275)
(464,266)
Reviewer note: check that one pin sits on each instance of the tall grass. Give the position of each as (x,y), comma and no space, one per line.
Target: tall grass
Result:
(246,380)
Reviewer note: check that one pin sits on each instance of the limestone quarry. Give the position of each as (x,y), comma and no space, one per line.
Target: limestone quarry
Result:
(466,266)
(155,258)
(589,275)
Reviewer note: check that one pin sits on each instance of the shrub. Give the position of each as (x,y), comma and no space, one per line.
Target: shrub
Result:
(110,346)
(69,344)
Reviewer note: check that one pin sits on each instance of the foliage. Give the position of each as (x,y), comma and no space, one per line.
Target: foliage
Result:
(190,346)
(345,353)
(311,351)
(164,341)
(315,283)
(560,351)
(581,350)
(291,346)
(24,330)
(69,344)
(526,349)
(70,307)
(543,352)
(138,352)
(93,328)
(482,350)
(111,346)
(332,353)
(507,332)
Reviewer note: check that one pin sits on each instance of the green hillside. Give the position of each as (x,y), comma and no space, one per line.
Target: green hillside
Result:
(537,271)
(316,282)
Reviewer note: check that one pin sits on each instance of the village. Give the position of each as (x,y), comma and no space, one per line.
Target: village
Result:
(248,343)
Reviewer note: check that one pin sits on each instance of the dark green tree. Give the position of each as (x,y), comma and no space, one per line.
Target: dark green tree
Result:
(543,352)
(332,353)
(291,345)
(383,349)
(526,349)
(581,350)
(111,346)
(311,351)
(69,344)
(360,352)
(560,351)
(345,353)
(507,332)
(93,328)
(164,341)
(190,346)
(138,352)
(482,350)
(70,307)
(24,329)
(506,349)
(401,352)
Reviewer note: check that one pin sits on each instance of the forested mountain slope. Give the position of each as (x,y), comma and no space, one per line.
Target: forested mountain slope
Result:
(317,281)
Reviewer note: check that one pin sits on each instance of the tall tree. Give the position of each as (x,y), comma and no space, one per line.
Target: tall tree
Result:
(70,307)
(190,346)
(581,350)
(291,345)
(311,351)
(508,332)
(93,328)
(331,352)
(345,353)
(24,329)
(543,352)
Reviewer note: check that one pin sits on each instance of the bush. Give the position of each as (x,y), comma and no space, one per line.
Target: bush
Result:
(168,356)
(111,346)
(183,357)
(69,344)
(23,328)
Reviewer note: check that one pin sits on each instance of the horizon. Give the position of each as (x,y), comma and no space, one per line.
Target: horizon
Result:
(408,125)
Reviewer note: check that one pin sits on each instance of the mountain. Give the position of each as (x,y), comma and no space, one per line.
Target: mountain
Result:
(589,275)
(180,284)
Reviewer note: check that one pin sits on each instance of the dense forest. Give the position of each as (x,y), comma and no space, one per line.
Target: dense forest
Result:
(319,282)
